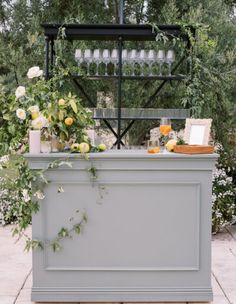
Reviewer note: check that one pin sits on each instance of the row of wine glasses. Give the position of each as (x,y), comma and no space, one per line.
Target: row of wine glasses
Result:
(129,58)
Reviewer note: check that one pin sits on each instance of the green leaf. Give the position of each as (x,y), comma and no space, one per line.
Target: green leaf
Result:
(6,117)
(56,246)
(73,105)
(63,232)
(77,228)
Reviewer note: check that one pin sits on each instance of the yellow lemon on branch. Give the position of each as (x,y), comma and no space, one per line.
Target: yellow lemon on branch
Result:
(68,121)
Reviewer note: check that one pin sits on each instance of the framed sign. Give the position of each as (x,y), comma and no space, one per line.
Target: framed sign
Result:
(197,131)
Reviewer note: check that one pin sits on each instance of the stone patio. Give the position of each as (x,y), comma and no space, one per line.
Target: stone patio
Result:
(16,269)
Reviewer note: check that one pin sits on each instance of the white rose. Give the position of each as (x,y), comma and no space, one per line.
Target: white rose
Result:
(39,194)
(34,72)
(34,109)
(40,122)
(20,92)
(20,113)
(25,195)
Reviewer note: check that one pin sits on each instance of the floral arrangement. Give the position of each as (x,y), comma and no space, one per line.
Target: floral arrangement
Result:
(40,105)
(63,117)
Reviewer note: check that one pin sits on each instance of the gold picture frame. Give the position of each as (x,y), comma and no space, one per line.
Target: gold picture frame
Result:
(197,131)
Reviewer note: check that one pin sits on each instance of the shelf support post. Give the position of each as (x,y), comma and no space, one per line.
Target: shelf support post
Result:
(119,92)
(46,58)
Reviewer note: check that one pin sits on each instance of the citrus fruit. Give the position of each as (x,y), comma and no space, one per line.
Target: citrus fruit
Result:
(61,102)
(84,147)
(170,145)
(101,147)
(153,150)
(74,147)
(34,115)
(69,121)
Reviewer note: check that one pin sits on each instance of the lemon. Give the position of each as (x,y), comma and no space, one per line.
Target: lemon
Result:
(84,147)
(68,121)
(34,115)
(102,147)
(170,145)
(61,102)
(74,147)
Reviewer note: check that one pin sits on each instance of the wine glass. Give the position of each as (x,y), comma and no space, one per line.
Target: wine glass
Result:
(133,60)
(97,59)
(79,56)
(125,58)
(151,60)
(114,59)
(160,59)
(88,58)
(142,59)
(170,58)
(106,59)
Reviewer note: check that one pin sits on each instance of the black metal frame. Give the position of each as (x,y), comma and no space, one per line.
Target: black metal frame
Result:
(120,33)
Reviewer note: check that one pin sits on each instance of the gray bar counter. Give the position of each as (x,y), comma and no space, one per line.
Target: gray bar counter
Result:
(148,235)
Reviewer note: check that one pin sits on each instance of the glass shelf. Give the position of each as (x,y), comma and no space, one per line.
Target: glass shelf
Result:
(129,77)
(139,113)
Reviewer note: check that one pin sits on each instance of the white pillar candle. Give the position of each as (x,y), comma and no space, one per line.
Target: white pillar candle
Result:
(34,141)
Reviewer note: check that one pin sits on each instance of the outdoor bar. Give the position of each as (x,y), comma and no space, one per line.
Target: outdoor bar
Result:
(144,219)
(148,233)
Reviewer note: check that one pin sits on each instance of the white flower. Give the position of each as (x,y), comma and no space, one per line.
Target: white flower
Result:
(25,195)
(34,109)
(39,194)
(88,110)
(34,72)
(4,159)
(40,122)
(20,92)
(20,113)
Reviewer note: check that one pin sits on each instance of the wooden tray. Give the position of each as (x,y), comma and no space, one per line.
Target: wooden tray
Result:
(193,149)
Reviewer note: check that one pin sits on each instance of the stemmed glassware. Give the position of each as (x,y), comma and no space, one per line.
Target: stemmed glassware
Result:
(106,59)
(133,60)
(114,59)
(170,58)
(151,60)
(125,59)
(88,58)
(142,60)
(97,59)
(79,56)
(160,60)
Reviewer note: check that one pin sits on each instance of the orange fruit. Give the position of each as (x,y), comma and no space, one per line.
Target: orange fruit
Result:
(68,121)
(165,129)
(153,150)
(61,102)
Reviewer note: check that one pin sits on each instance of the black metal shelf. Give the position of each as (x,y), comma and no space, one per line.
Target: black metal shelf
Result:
(119,33)
(130,77)
(137,32)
